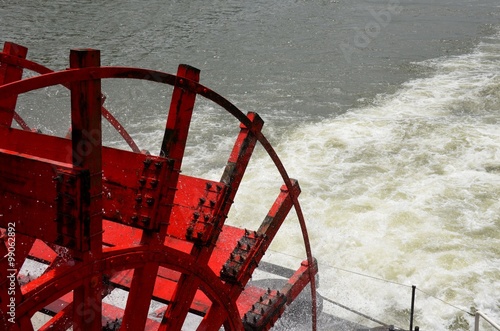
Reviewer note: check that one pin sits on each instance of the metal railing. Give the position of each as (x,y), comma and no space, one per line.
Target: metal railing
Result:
(486,318)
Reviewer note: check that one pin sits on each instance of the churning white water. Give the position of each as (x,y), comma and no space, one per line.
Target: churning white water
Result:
(407,190)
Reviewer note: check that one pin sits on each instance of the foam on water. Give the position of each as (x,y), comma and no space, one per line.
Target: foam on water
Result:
(406,189)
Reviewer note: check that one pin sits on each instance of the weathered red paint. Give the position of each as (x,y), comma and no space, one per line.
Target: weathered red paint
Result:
(101,218)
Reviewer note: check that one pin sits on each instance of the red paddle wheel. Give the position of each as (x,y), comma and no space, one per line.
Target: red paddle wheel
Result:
(101,218)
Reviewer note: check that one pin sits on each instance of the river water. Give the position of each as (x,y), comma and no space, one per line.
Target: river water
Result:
(386,111)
